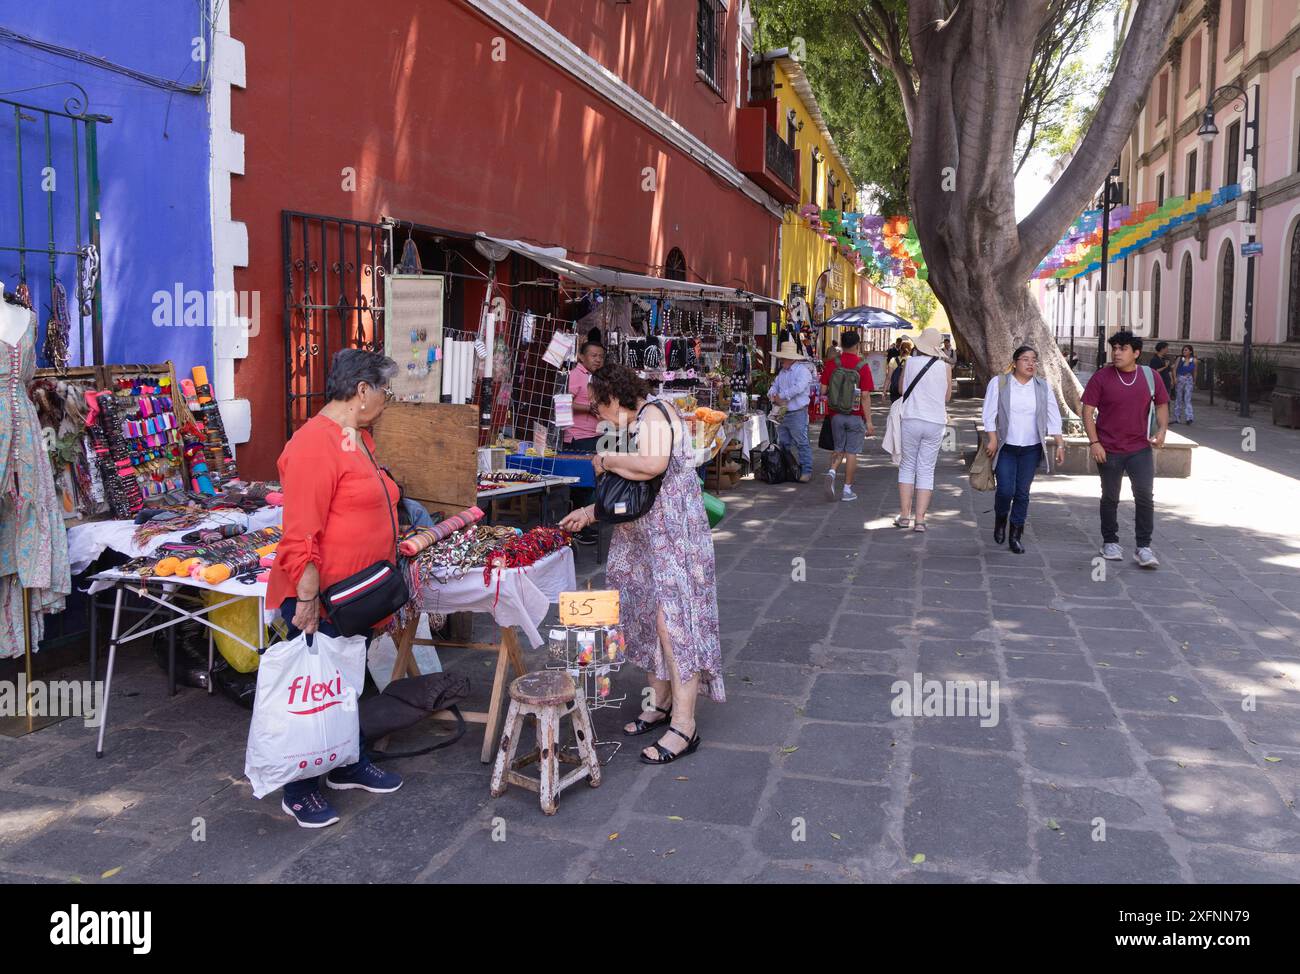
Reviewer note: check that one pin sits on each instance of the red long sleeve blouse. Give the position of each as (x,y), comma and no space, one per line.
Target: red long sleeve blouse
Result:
(334,508)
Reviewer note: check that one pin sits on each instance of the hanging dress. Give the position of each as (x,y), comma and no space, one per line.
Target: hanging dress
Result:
(664,559)
(33,540)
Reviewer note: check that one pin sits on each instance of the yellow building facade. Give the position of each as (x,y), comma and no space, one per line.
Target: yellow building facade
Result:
(812,269)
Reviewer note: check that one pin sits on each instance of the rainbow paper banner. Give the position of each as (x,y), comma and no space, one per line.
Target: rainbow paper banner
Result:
(889,244)
(1078,252)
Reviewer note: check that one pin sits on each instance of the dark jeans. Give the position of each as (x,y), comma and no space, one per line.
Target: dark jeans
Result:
(295,790)
(1016,468)
(1141,470)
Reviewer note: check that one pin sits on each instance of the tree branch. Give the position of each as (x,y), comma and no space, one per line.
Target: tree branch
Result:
(1110,126)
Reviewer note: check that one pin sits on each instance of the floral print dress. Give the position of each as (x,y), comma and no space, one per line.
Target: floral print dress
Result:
(664,559)
(33,540)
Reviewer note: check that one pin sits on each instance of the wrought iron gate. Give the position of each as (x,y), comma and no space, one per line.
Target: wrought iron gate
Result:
(334,272)
(52,147)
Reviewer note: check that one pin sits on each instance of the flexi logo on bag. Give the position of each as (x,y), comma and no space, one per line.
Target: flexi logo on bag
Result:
(327,694)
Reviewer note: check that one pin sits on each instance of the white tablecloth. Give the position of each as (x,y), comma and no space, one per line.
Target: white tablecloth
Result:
(88,541)
(525,593)
(753,433)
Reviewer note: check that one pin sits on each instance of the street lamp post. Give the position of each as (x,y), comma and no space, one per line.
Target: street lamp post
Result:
(1207,132)
(1102,302)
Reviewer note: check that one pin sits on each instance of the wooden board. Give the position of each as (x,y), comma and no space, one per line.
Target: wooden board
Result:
(431,449)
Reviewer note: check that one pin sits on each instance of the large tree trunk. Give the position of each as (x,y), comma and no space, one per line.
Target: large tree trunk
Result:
(972,60)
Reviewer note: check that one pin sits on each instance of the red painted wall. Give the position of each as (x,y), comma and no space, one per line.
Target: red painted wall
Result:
(407,93)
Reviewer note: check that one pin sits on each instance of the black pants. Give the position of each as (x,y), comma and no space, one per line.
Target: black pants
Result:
(1141,470)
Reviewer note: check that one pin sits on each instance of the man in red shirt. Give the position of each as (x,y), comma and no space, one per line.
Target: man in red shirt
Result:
(1117,407)
(848,429)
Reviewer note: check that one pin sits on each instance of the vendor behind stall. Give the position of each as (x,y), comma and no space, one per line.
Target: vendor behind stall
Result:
(582,436)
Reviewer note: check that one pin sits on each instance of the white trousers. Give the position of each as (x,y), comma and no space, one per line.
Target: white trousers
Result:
(921,441)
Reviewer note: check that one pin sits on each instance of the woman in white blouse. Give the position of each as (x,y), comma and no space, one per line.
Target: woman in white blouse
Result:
(1020,413)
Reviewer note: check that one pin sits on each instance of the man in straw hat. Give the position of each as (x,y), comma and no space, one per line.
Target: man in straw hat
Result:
(791,389)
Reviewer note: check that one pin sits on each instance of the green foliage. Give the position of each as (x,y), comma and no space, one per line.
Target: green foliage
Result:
(916,301)
(858,100)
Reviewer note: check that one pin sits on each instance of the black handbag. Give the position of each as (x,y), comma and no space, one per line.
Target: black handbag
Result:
(619,500)
(366,598)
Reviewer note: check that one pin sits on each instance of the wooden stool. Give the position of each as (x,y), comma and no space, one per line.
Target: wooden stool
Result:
(546,695)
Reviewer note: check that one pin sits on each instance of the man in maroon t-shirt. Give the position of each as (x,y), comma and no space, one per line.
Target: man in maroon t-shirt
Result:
(1117,407)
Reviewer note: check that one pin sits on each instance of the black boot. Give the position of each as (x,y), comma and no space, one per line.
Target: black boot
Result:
(1017,530)
(999,528)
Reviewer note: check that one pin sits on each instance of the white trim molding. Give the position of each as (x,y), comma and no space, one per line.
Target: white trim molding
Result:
(229,236)
(562,52)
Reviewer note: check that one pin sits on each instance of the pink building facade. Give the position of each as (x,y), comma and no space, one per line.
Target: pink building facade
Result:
(1190,285)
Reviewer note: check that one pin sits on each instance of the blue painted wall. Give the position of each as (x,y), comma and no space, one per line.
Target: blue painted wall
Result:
(153,166)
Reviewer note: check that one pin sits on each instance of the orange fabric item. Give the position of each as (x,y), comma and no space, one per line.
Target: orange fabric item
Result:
(334,513)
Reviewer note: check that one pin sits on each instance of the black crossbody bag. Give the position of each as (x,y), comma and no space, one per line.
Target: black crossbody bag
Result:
(619,500)
(366,598)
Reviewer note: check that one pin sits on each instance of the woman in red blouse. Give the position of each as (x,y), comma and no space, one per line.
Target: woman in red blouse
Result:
(339,512)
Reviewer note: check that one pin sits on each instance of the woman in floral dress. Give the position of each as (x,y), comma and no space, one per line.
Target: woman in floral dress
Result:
(661,563)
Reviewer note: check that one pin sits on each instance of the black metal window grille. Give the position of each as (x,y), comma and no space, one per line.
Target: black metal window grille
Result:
(1229,270)
(1234,154)
(675,265)
(710,23)
(1155,301)
(1293,294)
(1185,326)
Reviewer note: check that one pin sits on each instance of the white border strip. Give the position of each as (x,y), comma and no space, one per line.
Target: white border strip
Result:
(555,47)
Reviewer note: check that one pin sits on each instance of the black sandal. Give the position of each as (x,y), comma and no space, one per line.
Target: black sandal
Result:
(668,757)
(644,727)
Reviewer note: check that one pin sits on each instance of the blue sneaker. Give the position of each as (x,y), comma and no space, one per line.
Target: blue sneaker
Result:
(366,776)
(311,811)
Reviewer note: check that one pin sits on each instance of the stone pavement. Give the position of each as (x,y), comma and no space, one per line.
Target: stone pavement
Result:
(1120,715)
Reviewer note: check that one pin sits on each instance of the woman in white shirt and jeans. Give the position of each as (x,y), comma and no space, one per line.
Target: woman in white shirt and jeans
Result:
(1020,413)
(927,387)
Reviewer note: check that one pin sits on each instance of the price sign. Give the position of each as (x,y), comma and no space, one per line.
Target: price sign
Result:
(589,608)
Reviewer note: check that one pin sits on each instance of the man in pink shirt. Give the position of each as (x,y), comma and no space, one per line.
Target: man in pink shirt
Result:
(582,436)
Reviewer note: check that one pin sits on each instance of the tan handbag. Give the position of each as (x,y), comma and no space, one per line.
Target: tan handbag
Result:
(981,470)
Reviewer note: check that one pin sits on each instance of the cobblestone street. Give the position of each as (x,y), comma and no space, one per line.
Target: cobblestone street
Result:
(1121,700)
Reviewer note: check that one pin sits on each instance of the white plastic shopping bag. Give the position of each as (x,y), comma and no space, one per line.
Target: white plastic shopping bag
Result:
(305,713)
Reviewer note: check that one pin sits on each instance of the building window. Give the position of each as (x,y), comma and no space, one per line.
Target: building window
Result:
(1162,96)
(845,202)
(1155,299)
(1191,173)
(791,129)
(1160,190)
(1296,138)
(1236,25)
(816,176)
(1227,272)
(675,265)
(830,189)
(1194,64)
(1185,325)
(1231,169)
(710,22)
(1293,295)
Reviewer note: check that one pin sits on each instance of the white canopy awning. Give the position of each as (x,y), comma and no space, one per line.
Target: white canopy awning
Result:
(556,259)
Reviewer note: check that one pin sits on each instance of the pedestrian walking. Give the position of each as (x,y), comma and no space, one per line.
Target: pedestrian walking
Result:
(1162,366)
(792,389)
(1020,414)
(1184,383)
(927,387)
(900,356)
(1120,404)
(847,384)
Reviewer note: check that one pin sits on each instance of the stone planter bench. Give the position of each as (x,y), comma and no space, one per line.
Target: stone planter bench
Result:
(1174,460)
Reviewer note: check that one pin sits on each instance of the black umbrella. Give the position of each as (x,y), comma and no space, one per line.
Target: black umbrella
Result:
(866,316)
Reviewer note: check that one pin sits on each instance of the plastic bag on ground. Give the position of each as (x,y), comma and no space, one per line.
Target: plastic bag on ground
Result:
(305,713)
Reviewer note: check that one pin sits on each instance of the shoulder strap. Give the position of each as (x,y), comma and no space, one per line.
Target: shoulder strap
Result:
(669,419)
(388,505)
(911,385)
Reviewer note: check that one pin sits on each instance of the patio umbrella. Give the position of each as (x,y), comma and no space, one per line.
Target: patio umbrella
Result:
(866,316)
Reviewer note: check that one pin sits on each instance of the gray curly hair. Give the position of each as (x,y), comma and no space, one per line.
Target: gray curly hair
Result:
(352,366)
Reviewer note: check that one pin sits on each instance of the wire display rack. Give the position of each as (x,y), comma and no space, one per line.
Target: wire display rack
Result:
(590,655)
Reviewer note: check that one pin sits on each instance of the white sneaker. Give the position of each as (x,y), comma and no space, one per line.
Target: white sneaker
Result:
(848,494)
(1112,552)
(1146,558)
(830,485)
